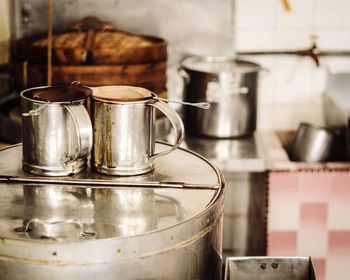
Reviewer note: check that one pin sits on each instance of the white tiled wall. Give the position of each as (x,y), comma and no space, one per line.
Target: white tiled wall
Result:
(291,91)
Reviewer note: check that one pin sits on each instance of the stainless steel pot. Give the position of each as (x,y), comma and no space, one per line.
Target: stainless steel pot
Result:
(230,86)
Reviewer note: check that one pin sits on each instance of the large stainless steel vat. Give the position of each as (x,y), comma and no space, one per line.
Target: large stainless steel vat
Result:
(166,224)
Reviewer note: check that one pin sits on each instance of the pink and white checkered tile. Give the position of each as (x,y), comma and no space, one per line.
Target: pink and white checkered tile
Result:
(309,215)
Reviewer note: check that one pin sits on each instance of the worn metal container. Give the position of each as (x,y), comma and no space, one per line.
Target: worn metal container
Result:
(269,268)
(230,86)
(312,143)
(56,130)
(124,129)
(166,224)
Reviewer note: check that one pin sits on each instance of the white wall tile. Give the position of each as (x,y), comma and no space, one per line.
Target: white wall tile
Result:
(333,39)
(332,13)
(265,117)
(300,16)
(318,83)
(255,14)
(292,80)
(292,38)
(336,64)
(292,91)
(254,39)
(266,88)
(289,116)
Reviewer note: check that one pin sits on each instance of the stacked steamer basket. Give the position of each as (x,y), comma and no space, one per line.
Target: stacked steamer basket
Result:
(96,54)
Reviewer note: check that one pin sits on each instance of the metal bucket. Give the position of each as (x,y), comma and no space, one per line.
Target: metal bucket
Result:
(166,224)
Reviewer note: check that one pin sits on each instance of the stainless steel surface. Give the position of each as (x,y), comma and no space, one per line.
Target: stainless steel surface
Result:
(269,268)
(131,232)
(124,133)
(225,149)
(136,211)
(245,214)
(312,143)
(245,204)
(57,136)
(56,212)
(61,213)
(230,86)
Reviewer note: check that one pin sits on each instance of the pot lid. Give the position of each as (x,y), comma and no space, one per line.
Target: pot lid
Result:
(218,64)
(51,209)
(92,41)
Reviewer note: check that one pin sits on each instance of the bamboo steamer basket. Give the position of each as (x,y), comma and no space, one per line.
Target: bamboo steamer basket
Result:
(94,53)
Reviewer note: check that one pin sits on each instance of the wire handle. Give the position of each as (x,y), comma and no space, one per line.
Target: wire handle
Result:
(35,112)
(201,105)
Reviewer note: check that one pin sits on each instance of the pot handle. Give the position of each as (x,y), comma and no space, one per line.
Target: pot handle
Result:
(184,75)
(83,128)
(176,123)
